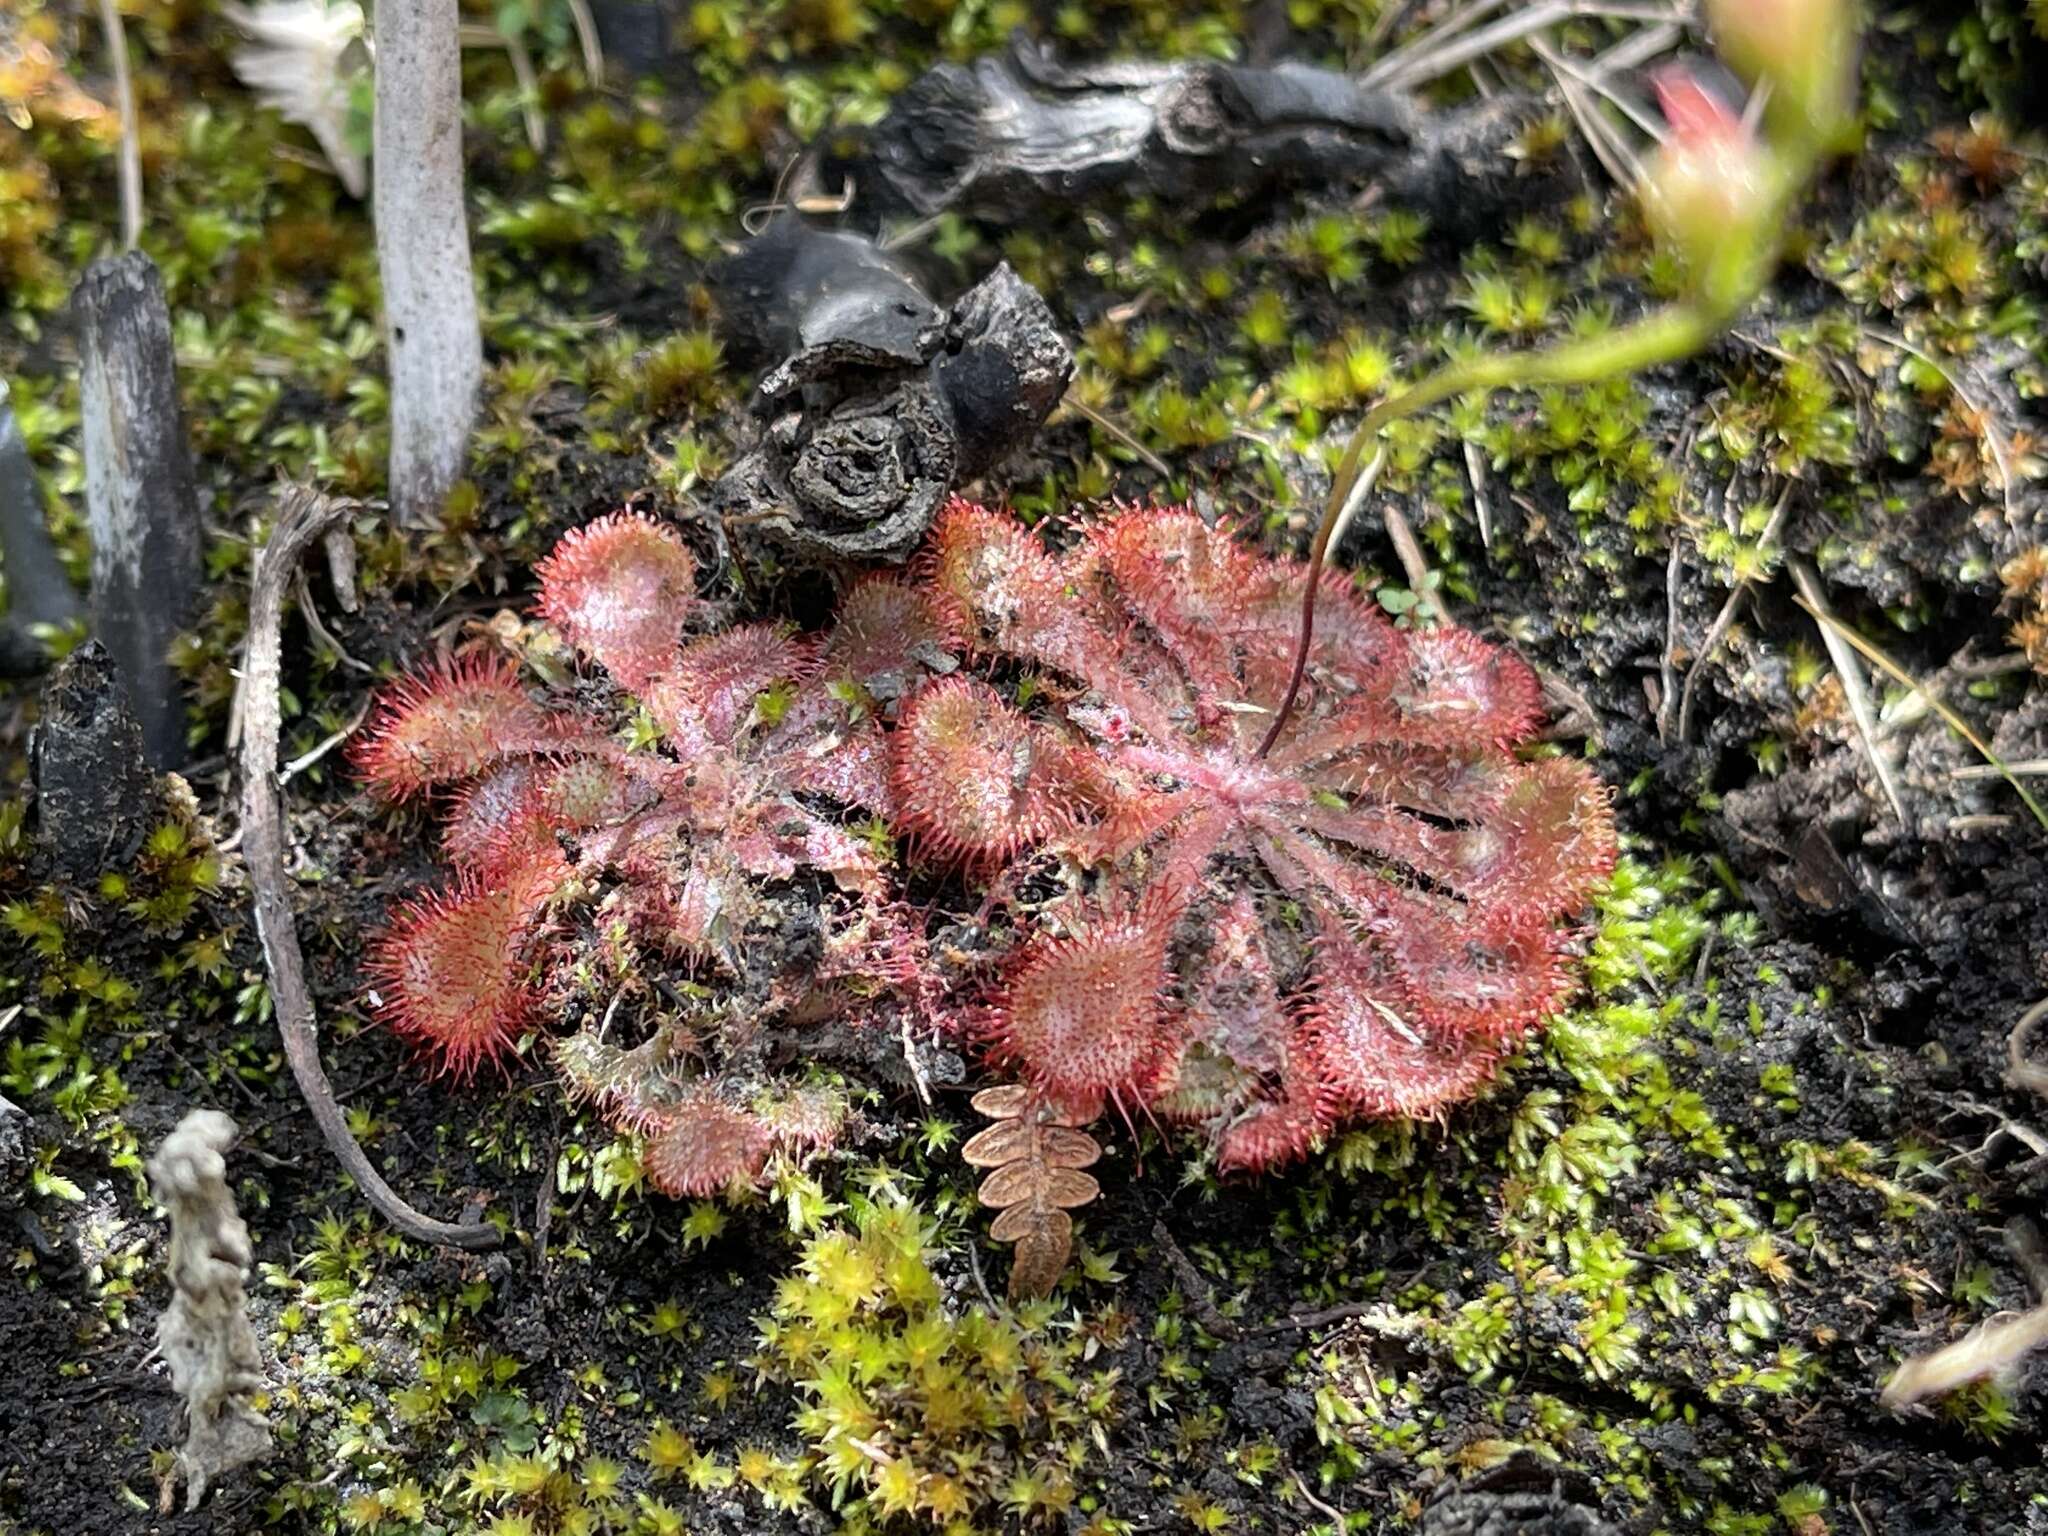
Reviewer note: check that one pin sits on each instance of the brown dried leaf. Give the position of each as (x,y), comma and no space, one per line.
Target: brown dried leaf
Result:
(1009,1140)
(1042,1257)
(1003,1142)
(1064,1148)
(1026,1183)
(1021,1221)
(1010,1100)
(1034,1153)
(1006,1102)
(1067,1188)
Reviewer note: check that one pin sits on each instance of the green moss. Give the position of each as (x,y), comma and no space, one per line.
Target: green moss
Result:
(1512,304)
(918,1406)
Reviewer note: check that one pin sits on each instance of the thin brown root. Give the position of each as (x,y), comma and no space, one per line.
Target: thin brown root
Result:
(303,516)
(1121,433)
(980,1284)
(1327,1511)
(311,614)
(1194,1286)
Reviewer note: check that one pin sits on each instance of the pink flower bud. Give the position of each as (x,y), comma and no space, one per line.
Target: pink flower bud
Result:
(1803,52)
(1708,192)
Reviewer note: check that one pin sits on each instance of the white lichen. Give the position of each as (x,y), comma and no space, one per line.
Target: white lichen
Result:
(204,1335)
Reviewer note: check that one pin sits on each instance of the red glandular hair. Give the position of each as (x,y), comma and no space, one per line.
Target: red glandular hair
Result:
(1429,864)
(763,734)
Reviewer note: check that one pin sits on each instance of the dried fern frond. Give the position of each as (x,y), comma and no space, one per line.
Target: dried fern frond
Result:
(1034,1153)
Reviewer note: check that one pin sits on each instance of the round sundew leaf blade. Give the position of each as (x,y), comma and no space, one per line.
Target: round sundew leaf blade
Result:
(449,723)
(621,590)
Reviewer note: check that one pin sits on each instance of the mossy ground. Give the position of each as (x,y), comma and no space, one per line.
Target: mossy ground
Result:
(1676,1249)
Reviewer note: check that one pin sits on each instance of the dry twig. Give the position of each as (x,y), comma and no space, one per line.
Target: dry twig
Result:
(1122,434)
(1949,717)
(587,41)
(303,515)
(1438,53)
(478,36)
(1356,499)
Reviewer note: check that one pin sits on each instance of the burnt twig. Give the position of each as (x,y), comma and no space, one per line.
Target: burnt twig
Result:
(1020,129)
(877,402)
(303,516)
(1200,1294)
(141,501)
(1012,134)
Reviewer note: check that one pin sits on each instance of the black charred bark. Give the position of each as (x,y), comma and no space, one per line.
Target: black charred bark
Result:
(1012,131)
(141,502)
(1524,1496)
(876,403)
(811,302)
(1019,132)
(95,795)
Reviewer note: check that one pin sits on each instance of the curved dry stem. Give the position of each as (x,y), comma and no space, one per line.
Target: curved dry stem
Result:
(1656,338)
(303,516)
